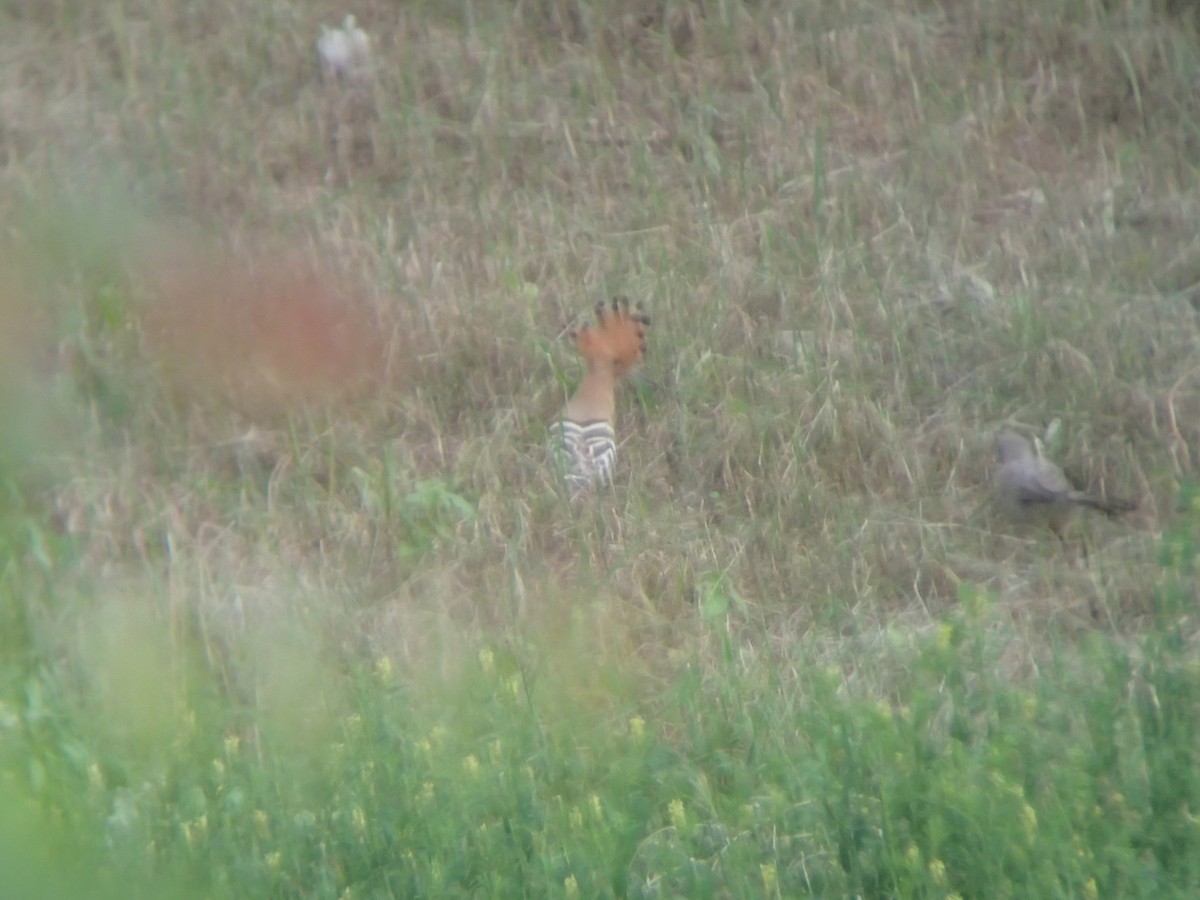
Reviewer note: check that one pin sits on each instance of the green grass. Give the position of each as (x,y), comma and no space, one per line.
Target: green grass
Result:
(291,603)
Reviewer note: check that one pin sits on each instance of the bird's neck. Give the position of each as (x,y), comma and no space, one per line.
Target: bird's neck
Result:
(595,396)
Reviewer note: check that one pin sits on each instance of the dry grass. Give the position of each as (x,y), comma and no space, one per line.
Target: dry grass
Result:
(866,240)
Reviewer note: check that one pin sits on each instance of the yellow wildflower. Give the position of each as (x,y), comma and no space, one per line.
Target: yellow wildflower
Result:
(770,878)
(937,871)
(677,814)
(1029,821)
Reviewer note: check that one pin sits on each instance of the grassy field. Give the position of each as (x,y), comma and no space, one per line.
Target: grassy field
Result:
(291,603)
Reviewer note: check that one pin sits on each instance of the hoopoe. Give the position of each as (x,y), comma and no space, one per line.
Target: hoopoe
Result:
(1032,490)
(583,435)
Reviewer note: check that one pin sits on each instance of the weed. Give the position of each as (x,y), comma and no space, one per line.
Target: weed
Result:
(290,604)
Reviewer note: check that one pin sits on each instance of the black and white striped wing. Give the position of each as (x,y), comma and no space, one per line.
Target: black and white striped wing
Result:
(587,451)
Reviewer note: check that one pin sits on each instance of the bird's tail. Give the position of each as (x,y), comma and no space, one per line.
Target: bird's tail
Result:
(1110,506)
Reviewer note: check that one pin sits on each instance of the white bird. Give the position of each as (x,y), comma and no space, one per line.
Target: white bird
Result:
(345,52)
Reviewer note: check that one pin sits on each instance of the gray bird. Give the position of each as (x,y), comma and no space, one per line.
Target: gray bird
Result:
(1032,490)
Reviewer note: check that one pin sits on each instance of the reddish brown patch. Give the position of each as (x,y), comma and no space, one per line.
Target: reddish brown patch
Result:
(271,333)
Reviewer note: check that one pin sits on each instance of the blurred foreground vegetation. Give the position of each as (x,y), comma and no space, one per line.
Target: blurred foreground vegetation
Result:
(291,604)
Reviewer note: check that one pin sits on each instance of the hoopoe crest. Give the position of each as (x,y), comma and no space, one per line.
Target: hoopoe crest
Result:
(583,436)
